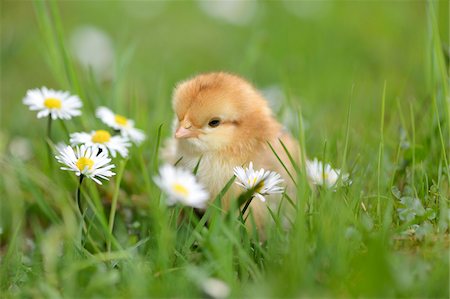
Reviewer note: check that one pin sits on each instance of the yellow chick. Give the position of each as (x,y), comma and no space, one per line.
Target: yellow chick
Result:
(223,119)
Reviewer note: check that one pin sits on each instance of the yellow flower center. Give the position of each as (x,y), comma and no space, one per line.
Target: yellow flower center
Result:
(258,187)
(252,182)
(120,120)
(101,136)
(52,103)
(84,162)
(180,189)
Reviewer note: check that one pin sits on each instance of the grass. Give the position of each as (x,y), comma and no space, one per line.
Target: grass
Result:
(364,86)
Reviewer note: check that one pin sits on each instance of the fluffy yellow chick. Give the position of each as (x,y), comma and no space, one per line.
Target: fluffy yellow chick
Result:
(226,121)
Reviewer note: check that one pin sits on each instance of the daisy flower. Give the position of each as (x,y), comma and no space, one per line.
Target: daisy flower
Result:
(181,186)
(57,104)
(119,122)
(323,175)
(86,161)
(264,182)
(103,140)
(215,288)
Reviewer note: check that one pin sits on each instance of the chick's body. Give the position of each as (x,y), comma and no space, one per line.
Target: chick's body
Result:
(224,120)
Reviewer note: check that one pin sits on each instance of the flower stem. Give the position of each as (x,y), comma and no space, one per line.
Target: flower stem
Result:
(80,211)
(79,195)
(49,127)
(247,204)
(49,140)
(112,213)
(63,124)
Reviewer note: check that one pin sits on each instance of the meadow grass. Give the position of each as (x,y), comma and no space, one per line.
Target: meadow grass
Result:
(364,87)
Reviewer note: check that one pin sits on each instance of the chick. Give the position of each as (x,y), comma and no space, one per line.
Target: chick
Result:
(223,119)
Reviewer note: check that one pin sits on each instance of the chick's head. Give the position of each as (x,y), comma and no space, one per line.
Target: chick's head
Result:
(219,111)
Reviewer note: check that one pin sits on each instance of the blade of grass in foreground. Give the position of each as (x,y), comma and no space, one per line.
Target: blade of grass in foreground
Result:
(58,56)
(67,62)
(413,148)
(301,141)
(439,61)
(216,205)
(380,152)
(197,165)
(155,156)
(154,162)
(441,138)
(282,164)
(291,159)
(347,130)
(46,28)
(112,213)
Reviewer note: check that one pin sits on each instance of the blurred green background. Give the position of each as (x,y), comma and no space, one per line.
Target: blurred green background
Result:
(315,52)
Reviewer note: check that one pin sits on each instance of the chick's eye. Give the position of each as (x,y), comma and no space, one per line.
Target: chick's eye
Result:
(214,122)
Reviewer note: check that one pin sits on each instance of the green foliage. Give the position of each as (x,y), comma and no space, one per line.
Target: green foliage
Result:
(372,81)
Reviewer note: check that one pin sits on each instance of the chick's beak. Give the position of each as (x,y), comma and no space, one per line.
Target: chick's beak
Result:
(182,132)
(186,130)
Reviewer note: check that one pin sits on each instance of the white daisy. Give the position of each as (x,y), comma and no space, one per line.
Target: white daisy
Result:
(59,104)
(119,122)
(103,140)
(86,161)
(181,186)
(323,175)
(265,182)
(215,288)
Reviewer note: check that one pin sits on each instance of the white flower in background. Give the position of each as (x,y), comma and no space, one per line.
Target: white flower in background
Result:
(264,182)
(308,9)
(234,12)
(215,288)
(280,105)
(86,161)
(94,49)
(119,122)
(21,148)
(323,175)
(181,186)
(58,104)
(275,96)
(103,140)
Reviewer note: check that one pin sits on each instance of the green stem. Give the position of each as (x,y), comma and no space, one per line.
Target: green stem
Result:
(324,183)
(380,152)
(63,124)
(247,204)
(49,127)
(80,211)
(79,195)
(49,141)
(112,213)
